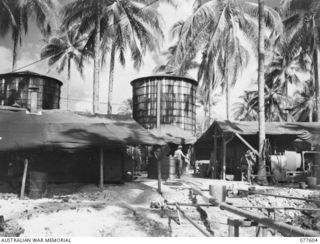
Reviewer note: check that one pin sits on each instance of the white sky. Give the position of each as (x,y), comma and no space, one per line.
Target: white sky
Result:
(80,90)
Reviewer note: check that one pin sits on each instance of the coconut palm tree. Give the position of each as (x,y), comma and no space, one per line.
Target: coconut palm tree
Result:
(170,68)
(274,102)
(214,29)
(262,174)
(91,16)
(135,26)
(64,49)
(303,19)
(16,21)
(246,109)
(304,103)
(6,11)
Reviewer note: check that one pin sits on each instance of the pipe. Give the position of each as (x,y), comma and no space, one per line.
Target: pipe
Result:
(281,208)
(192,222)
(281,196)
(190,204)
(286,229)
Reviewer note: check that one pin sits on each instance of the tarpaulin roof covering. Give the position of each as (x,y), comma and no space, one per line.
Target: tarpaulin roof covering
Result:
(307,131)
(68,130)
(174,134)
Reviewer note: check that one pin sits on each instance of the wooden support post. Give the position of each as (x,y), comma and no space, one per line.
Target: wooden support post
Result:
(262,231)
(101,168)
(234,227)
(24,178)
(215,147)
(158,103)
(224,158)
(235,224)
(158,126)
(159,175)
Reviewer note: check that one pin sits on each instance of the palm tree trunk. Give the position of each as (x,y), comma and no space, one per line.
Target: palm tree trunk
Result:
(310,114)
(96,64)
(316,82)
(261,83)
(111,77)
(68,84)
(210,102)
(226,77)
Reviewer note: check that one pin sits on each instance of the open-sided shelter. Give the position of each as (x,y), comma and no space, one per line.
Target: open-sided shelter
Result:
(46,137)
(226,142)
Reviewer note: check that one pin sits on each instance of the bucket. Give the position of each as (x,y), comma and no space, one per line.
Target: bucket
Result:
(311,181)
(37,184)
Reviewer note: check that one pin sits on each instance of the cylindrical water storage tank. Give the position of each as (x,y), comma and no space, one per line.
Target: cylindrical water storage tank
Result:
(177,103)
(15,90)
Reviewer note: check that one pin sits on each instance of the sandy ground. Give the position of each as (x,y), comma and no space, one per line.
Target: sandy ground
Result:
(78,210)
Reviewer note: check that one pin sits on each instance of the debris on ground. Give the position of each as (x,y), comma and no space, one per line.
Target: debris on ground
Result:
(137,209)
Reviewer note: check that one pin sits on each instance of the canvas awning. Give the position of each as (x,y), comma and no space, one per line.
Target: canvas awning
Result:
(174,134)
(306,131)
(69,130)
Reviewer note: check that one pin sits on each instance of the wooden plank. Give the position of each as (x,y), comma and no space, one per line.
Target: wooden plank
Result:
(248,145)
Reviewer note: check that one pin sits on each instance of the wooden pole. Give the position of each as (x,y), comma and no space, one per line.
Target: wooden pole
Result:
(158,104)
(101,168)
(158,126)
(159,175)
(24,178)
(215,142)
(224,157)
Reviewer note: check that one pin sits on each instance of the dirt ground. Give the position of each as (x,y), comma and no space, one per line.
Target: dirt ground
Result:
(77,210)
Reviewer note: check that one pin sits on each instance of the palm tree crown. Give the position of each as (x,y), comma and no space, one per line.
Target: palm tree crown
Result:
(16,15)
(133,25)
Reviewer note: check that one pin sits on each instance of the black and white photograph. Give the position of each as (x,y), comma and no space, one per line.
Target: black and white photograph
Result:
(159,118)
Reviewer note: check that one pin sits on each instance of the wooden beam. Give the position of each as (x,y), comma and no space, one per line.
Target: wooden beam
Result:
(101,168)
(24,178)
(224,158)
(214,160)
(248,145)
